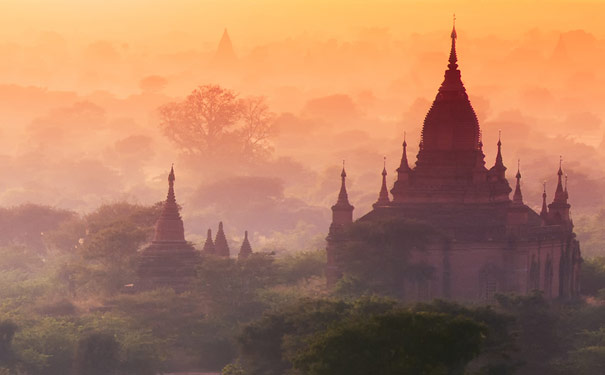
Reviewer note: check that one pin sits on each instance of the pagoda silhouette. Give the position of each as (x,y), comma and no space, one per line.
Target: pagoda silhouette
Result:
(494,244)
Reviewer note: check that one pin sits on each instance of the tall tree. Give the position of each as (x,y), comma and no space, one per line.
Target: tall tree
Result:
(257,125)
(400,342)
(212,121)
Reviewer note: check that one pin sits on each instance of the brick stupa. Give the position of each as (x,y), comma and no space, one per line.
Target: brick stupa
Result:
(169,261)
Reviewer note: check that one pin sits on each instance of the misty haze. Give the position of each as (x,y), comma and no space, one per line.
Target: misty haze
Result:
(306,188)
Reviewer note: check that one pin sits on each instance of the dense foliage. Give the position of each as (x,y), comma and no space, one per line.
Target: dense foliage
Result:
(64,310)
(383,245)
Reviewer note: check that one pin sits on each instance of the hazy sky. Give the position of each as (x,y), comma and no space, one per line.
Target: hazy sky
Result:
(263,20)
(347,78)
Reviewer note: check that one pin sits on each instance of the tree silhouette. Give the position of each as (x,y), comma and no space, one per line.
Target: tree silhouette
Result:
(212,121)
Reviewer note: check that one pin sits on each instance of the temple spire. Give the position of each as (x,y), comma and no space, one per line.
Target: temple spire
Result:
(499,170)
(342,211)
(453,57)
(343,197)
(499,162)
(171,178)
(209,244)
(246,249)
(383,196)
(518,197)
(544,211)
(404,166)
(169,226)
(221,247)
(560,192)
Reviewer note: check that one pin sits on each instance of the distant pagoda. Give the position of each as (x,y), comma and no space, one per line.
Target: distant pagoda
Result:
(169,261)
(246,250)
(224,56)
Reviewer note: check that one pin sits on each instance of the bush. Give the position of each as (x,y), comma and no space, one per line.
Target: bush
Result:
(97,354)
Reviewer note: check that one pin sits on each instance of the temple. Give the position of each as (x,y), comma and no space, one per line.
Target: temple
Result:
(169,261)
(494,244)
(246,249)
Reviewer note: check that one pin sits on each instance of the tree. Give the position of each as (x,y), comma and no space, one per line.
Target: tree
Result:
(7,332)
(268,345)
(98,353)
(115,248)
(47,347)
(400,342)
(27,224)
(232,286)
(592,278)
(257,125)
(375,256)
(539,335)
(213,121)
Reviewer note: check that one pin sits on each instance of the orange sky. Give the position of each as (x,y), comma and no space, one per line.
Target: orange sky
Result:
(263,20)
(77,128)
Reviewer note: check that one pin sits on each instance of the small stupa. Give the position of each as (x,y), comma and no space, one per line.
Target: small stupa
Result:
(246,250)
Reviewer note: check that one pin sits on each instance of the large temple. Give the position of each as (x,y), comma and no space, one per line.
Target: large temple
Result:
(494,244)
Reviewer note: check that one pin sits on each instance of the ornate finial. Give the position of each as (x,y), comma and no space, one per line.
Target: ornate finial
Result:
(454,36)
(560,165)
(518,196)
(544,211)
(405,144)
(499,165)
(246,234)
(171,177)
(383,196)
(453,58)
(343,197)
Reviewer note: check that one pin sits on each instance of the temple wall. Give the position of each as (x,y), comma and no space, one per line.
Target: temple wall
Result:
(477,271)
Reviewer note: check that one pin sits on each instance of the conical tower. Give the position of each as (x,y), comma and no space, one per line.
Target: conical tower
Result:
(169,261)
(224,55)
(169,227)
(558,210)
(450,165)
(221,248)
(246,249)
(342,215)
(342,211)
(209,244)
(518,196)
(383,196)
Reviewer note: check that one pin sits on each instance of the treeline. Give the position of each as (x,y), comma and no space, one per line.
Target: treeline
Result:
(64,311)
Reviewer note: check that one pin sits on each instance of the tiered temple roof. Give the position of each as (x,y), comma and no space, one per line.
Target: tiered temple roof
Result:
(451,189)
